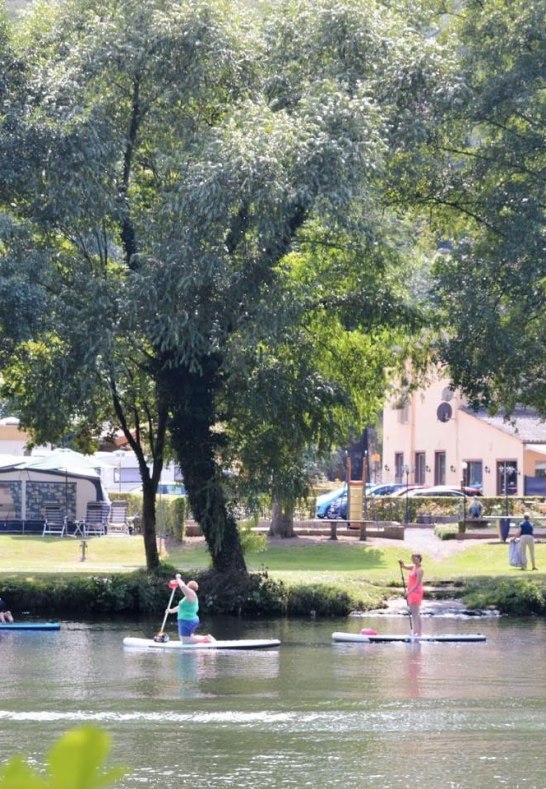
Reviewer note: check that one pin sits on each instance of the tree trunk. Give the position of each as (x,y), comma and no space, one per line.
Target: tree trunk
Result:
(149,481)
(282,519)
(149,526)
(192,418)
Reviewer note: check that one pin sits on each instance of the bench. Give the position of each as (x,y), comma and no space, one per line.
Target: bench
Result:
(367,528)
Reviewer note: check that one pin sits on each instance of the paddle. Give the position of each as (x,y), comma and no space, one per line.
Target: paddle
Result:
(405,595)
(162,637)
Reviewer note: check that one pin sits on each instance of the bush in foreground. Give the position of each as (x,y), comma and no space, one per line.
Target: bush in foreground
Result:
(76,760)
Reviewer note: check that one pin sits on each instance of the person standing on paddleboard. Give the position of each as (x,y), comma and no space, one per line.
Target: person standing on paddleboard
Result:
(187,609)
(5,613)
(415,590)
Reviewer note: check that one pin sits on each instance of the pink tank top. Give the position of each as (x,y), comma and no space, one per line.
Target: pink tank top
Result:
(411,581)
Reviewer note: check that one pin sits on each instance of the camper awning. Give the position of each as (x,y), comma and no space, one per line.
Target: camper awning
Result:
(65,461)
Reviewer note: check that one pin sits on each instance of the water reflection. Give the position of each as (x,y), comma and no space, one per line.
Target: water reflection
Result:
(413,670)
(194,674)
(310,713)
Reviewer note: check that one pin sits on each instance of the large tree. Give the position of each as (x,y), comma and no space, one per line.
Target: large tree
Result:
(171,155)
(491,198)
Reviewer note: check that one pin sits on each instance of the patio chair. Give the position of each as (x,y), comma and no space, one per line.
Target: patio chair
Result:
(54,521)
(96,518)
(119,523)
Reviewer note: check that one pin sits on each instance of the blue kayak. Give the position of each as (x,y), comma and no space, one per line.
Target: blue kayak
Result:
(30,625)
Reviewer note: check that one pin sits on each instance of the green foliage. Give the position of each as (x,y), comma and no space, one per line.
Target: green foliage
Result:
(446,532)
(318,600)
(135,593)
(251,541)
(254,594)
(192,162)
(171,512)
(76,761)
(491,288)
(171,516)
(518,597)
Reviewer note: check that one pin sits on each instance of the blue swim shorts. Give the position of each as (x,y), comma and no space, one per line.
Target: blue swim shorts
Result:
(187,627)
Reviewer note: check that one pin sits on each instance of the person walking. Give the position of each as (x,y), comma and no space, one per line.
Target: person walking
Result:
(476,508)
(526,541)
(187,609)
(415,591)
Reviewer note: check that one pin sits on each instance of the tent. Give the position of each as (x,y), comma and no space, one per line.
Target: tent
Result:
(63,477)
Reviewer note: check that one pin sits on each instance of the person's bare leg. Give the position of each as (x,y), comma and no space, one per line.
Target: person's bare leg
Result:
(415,611)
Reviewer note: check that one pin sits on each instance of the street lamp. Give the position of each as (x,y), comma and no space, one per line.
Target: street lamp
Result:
(507,471)
(119,453)
(464,466)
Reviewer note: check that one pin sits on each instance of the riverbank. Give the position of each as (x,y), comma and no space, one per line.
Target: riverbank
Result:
(292,577)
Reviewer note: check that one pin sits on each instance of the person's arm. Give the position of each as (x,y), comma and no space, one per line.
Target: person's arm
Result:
(188,593)
(172,610)
(405,566)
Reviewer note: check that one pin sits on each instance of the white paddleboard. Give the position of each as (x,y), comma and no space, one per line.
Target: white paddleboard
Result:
(407,639)
(243,643)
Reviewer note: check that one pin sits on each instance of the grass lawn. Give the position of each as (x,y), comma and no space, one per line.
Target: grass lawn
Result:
(34,554)
(356,568)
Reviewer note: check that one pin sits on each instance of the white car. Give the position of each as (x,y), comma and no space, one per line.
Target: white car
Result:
(435,490)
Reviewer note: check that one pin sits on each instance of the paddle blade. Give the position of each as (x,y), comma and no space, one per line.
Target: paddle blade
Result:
(173,584)
(161,638)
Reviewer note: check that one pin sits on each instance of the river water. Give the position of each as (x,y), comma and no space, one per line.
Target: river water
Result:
(308,714)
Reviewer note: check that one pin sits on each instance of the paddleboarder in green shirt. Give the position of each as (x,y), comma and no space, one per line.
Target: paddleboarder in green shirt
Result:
(187,610)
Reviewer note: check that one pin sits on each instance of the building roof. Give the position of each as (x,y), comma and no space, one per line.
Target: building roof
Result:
(523,423)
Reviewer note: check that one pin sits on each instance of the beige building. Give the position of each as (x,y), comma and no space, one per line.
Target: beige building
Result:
(433,438)
(13,440)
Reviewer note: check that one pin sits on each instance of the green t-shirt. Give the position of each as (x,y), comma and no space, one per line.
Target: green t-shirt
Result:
(187,609)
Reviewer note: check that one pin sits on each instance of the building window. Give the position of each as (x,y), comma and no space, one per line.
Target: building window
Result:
(439,468)
(540,469)
(507,478)
(398,466)
(419,468)
(127,474)
(473,474)
(403,414)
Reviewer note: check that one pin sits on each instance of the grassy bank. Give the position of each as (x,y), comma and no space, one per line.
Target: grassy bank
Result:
(362,574)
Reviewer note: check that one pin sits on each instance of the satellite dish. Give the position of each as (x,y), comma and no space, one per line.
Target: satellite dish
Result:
(447,394)
(444,412)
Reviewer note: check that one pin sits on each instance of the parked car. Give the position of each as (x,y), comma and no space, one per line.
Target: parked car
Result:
(387,489)
(324,501)
(436,490)
(338,508)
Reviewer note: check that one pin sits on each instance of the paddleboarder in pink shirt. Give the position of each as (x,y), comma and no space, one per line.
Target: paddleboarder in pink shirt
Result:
(415,591)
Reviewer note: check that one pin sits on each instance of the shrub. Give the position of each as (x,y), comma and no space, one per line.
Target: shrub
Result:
(171,513)
(446,531)
(256,594)
(251,541)
(76,760)
(517,597)
(318,600)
